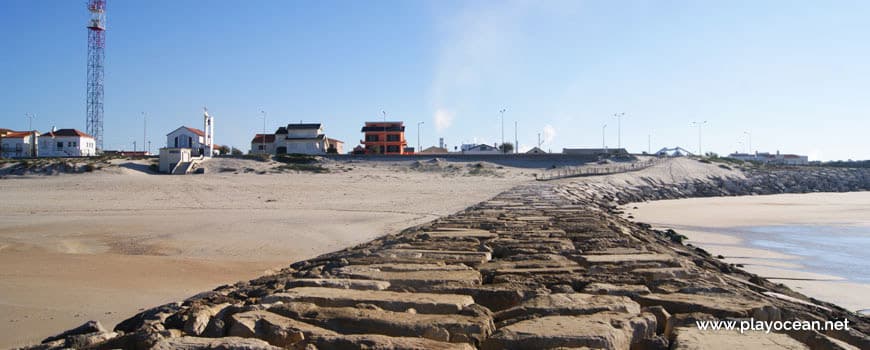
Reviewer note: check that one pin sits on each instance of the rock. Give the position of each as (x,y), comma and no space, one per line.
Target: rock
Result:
(338,283)
(721,306)
(157,314)
(86,328)
(382,342)
(470,327)
(228,343)
(693,338)
(604,330)
(273,328)
(627,258)
(569,304)
(661,315)
(415,276)
(611,289)
(392,301)
(199,316)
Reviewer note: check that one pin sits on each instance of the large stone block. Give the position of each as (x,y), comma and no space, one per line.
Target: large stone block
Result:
(393,301)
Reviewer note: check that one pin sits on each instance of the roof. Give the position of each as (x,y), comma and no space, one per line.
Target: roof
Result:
(334,140)
(536,150)
(303,126)
(259,138)
(483,147)
(66,132)
(195,131)
(17,134)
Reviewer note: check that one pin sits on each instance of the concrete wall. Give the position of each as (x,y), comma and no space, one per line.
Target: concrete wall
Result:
(170,157)
(521,160)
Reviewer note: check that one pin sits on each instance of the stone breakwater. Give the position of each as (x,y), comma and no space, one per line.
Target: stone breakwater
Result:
(754,182)
(542,266)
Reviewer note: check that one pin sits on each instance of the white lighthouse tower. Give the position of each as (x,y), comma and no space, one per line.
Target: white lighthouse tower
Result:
(208,128)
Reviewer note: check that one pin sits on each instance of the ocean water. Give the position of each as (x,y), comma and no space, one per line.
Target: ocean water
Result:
(842,251)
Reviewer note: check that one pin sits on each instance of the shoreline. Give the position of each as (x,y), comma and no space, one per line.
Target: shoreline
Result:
(719,225)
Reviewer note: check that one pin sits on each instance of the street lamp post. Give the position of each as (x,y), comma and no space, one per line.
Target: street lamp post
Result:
(418,136)
(502,128)
(144,131)
(699,125)
(619,129)
(263,112)
(603,142)
(29,117)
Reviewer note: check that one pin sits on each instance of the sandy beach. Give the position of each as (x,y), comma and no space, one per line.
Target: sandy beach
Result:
(104,245)
(715,224)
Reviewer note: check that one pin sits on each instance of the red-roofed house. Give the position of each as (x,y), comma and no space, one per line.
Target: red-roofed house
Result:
(18,144)
(66,143)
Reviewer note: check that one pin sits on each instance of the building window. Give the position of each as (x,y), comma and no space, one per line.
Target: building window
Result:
(176,142)
(393,137)
(60,145)
(371,138)
(392,149)
(189,142)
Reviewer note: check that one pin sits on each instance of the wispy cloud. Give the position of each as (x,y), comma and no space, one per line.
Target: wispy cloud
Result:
(549,134)
(443,119)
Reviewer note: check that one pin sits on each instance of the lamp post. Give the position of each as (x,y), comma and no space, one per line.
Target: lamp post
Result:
(29,117)
(418,136)
(603,142)
(699,125)
(144,131)
(263,112)
(619,129)
(502,128)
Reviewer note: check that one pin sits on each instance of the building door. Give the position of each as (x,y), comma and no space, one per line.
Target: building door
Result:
(176,142)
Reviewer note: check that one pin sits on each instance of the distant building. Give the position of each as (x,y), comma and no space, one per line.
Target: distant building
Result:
(18,144)
(480,149)
(434,150)
(66,143)
(536,150)
(335,146)
(767,158)
(673,152)
(299,138)
(608,152)
(384,138)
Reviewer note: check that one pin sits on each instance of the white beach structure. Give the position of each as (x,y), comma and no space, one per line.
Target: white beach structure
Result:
(18,144)
(66,143)
(201,143)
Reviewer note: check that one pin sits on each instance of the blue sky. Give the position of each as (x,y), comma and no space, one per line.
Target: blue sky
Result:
(793,73)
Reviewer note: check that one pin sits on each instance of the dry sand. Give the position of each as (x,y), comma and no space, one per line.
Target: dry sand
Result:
(707,222)
(104,245)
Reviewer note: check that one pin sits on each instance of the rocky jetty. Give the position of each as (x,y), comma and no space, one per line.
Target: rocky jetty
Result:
(542,266)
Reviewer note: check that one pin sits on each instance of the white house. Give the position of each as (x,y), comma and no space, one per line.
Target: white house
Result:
(480,149)
(301,138)
(66,143)
(18,144)
(766,157)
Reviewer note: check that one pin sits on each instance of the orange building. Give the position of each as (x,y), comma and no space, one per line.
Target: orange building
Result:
(384,138)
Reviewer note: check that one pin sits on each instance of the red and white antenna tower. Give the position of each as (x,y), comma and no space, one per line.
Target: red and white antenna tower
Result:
(96,55)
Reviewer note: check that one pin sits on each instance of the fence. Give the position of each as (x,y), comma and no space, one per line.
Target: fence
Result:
(594,170)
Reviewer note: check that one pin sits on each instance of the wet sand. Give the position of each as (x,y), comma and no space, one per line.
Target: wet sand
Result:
(715,224)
